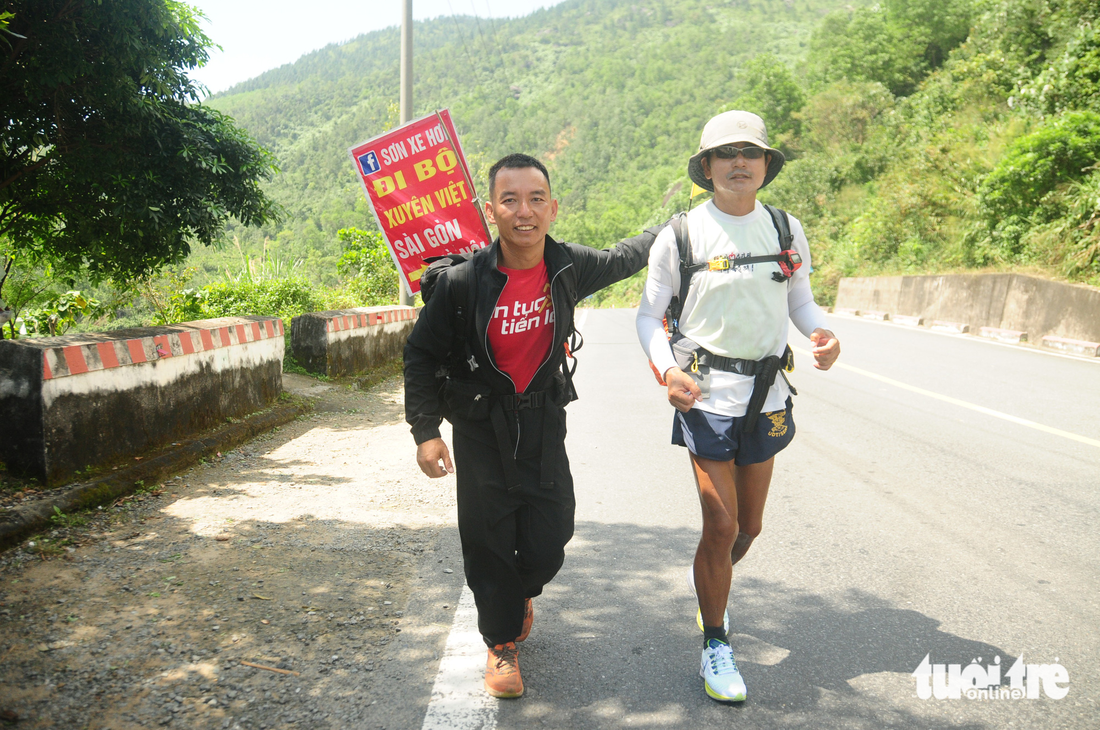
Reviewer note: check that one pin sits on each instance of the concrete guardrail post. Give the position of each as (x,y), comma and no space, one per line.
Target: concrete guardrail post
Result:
(349,341)
(93,398)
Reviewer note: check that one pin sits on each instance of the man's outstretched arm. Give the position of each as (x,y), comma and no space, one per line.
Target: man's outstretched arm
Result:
(599,268)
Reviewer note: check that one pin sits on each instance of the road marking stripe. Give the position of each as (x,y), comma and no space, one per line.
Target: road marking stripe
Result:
(963,404)
(459,700)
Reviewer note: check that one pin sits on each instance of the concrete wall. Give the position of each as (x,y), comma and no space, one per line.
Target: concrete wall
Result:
(1008,301)
(349,341)
(94,398)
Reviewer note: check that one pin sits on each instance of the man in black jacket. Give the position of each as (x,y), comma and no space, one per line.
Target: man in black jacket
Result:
(499,323)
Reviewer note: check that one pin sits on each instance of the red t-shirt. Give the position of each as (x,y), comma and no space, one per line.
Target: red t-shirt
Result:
(522,328)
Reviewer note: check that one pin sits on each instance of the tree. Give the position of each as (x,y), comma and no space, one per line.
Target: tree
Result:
(940,25)
(863,45)
(772,93)
(108,163)
(896,45)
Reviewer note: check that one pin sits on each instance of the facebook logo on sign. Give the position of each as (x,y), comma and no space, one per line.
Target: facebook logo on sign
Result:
(369,163)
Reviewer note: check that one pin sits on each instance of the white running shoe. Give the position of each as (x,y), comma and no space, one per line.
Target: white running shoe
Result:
(721,678)
(699,613)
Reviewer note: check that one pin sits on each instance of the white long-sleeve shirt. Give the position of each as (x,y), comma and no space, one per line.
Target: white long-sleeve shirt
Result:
(741,312)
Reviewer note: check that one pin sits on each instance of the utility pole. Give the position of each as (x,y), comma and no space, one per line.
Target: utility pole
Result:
(406,88)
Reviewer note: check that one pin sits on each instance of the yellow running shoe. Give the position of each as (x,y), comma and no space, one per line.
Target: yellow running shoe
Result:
(721,678)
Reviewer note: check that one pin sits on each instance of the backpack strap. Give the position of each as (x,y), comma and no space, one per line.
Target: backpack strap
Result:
(782,226)
(788,261)
(687,268)
(460,278)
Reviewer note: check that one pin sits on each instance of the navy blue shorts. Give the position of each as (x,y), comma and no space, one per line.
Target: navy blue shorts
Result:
(719,438)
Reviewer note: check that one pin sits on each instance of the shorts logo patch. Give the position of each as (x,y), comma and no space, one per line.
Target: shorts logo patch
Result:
(779,425)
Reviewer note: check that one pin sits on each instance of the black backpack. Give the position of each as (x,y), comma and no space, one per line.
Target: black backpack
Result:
(461,353)
(436,266)
(788,260)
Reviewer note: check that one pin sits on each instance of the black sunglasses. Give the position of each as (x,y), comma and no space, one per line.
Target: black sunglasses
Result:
(729,152)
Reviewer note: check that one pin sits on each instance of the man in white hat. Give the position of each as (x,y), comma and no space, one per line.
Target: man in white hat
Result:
(729,342)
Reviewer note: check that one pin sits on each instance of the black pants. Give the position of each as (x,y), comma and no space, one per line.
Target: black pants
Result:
(513,542)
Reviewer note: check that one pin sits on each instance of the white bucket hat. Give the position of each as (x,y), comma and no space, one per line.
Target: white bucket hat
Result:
(727,128)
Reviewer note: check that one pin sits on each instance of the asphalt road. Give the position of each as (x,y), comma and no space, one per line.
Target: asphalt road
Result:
(940,498)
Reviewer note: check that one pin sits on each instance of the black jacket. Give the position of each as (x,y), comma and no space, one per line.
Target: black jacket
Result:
(575,272)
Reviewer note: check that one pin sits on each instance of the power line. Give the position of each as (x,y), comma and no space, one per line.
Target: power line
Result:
(475,67)
(492,23)
(461,35)
(484,44)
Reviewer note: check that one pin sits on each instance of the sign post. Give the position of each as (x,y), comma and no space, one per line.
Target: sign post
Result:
(406,86)
(420,190)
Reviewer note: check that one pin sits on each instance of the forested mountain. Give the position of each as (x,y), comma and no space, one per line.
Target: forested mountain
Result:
(611,94)
(923,135)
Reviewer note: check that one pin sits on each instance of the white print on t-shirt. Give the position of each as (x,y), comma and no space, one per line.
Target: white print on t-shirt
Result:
(734,266)
(523,317)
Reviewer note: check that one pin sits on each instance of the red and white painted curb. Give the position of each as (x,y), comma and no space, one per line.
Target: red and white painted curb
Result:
(343,321)
(60,362)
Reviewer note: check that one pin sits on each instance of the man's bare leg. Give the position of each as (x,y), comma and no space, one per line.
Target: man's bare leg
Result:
(732,500)
(752,482)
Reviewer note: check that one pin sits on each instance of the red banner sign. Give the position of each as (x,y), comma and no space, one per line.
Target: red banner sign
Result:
(420,190)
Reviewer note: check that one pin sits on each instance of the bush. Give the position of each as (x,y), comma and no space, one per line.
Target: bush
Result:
(844,123)
(1069,243)
(1021,190)
(283,298)
(59,314)
(366,268)
(804,187)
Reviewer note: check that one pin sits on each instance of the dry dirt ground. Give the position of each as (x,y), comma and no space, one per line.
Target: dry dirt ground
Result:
(299,551)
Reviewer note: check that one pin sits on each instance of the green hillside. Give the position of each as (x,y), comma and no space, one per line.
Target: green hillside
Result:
(923,135)
(611,94)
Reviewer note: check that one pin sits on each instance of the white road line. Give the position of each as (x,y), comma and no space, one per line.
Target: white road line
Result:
(962,403)
(459,700)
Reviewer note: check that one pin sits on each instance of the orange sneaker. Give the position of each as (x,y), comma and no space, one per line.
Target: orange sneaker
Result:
(528,619)
(502,677)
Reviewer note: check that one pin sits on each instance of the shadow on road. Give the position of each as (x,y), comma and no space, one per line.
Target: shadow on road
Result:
(615,645)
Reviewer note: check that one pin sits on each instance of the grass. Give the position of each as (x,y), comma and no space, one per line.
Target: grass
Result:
(67,521)
(47,547)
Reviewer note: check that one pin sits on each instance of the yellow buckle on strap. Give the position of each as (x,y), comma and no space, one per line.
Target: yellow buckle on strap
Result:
(719,263)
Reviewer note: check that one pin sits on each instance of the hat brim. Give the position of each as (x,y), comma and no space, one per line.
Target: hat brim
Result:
(695,164)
